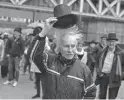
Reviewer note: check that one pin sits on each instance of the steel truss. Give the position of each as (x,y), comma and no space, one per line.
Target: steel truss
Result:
(103,9)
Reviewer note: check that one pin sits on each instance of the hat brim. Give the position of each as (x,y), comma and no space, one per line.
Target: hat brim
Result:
(103,37)
(112,39)
(66,21)
(92,42)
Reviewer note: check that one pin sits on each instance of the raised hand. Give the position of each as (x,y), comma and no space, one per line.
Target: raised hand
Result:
(47,25)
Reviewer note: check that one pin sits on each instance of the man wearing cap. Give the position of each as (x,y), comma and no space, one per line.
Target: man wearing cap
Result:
(65,77)
(14,53)
(110,65)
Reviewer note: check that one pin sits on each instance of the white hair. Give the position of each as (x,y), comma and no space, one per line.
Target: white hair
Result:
(60,33)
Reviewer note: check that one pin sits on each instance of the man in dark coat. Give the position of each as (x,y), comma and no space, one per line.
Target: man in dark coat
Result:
(15,52)
(4,62)
(91,56)
(110,66)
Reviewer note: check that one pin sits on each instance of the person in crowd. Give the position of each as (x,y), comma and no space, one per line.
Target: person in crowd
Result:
(28,41)
(82,55)
(15,51)
(34,69)
(110,66)
(64,76)
(91,58)
(4,62)
(3,68)
(30,48)
(99,48)
(103,42)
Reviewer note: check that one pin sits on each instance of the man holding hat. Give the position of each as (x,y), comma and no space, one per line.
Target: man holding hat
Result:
(110,65)
(65,76)
(14,53)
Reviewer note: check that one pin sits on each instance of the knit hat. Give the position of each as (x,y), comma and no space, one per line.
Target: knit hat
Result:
(18,29)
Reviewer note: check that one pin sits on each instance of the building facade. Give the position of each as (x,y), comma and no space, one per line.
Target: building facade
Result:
(97,17)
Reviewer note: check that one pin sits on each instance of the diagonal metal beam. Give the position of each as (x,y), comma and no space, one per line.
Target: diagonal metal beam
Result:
(80,12)
(21,2)
(71,2)
(121,14)
(54,2)
(92,6)
(13,2)
(109,7)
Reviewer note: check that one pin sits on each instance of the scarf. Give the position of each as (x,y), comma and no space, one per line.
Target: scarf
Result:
(67,63)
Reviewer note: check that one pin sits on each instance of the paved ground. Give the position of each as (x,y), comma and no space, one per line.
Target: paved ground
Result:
(25,89)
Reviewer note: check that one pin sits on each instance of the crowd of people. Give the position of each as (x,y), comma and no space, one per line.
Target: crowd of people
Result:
(64,67)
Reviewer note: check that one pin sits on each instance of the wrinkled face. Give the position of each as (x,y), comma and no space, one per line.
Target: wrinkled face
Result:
(68,46)
(111,43)
(16,34)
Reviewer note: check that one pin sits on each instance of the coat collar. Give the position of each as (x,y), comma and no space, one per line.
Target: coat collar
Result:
(118,50)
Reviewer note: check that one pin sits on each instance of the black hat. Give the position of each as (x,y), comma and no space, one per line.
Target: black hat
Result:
(93,41)
(64,16)
(36,30)
(104,36)
(18,29)
(112,36)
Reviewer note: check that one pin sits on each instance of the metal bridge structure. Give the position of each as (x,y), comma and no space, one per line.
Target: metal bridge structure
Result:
(103,9)
(99,16)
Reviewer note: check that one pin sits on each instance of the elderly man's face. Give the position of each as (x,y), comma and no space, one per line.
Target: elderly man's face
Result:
(68,47)
(111,43)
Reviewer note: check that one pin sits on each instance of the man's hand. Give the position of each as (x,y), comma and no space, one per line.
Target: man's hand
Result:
(47,26)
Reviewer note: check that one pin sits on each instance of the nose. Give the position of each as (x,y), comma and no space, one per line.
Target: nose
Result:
(70,49)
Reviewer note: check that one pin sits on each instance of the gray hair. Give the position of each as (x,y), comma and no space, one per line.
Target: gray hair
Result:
(60,33)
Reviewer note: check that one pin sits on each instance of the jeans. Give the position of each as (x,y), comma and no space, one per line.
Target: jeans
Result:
(14,63)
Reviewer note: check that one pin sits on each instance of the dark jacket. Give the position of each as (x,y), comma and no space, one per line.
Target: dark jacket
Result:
(15,47)
(62,80)
(31,47)
(5,62)
(91,57)
(117,70)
